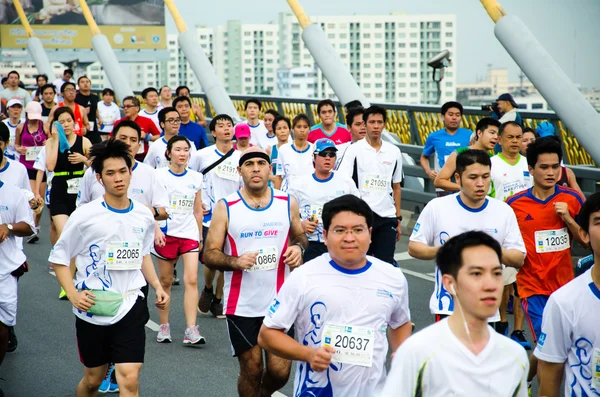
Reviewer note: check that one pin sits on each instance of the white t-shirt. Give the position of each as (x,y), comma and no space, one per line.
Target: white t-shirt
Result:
(221,181)
(143,187)
(40,165)
(155,157)
(58,83)
(508,179)
(258,130)
(181,190)
(10,150)
(435,363)
(446,217)
(377,171)
(571,334)
(15,173)
(151,116)
(312,193)
(108,115)
(320,294)
(292,164)
(90,235)
(265,141)
(14,208)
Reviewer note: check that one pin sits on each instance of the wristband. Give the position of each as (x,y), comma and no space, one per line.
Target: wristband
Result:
(147,137)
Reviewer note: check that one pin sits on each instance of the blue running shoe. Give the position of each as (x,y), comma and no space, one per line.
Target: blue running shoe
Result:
(519,337)
(109,384)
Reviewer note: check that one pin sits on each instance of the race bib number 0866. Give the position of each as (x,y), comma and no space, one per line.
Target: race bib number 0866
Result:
(266,260)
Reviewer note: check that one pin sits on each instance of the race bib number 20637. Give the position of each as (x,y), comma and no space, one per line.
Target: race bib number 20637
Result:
(352,344)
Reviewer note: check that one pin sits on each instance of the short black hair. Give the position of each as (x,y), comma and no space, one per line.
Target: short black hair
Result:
(353,104)
(147,91)
(134,100)
(83,77)
(591,205)
(470,157)
(272,112)
(529,129)
(46,86)
(4,133)
(4,80)
(173,141)
(213,123)
(180,99)
(349,203)
(108,91)
(254,101)
(374,109)
(485,123)
(326,102)
(282,118)
(181,87)
(61,110)
(162,113)
(507,124)
(127,123)
(68,71)
(64,86)
(452,104)
(13,72)
(449,258)
(352,113)
(543,146)
(42,76)
(300,117)
(109,149)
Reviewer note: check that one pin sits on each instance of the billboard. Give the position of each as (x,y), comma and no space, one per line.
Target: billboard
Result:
(128,24)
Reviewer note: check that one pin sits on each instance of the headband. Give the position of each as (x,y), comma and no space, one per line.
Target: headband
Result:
(252,154)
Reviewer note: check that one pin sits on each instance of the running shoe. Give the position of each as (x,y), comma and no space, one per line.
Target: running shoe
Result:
(63,295)
(12,340)
(216,308)
(109,384)
(164,334)
(529,391)
(34,237)
(193,337)
(176,280)
(519,337)
(205,301)
(51,270)
(510,306)
(502,328)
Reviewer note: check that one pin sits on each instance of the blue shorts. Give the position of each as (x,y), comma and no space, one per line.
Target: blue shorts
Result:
(533,307)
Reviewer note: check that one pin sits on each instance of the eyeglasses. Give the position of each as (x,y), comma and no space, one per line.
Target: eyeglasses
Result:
(339,231)
(327,154)
(69,90)
(128,106)
(173,121)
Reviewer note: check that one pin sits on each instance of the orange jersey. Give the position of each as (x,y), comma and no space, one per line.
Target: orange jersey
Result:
(547,239)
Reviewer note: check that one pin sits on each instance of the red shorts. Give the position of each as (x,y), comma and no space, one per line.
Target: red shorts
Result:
(175,247)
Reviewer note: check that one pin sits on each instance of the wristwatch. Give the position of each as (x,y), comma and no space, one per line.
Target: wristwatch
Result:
(399,217)
(156,212)
(301,249)
(9,226)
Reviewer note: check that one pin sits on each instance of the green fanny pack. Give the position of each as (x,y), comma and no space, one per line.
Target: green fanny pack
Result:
(108,303)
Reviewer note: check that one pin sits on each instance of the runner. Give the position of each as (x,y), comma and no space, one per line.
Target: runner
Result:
(256,238)
(442,143)
(568,345)
(14,110)
(89,101)
(79,113)
(108,113)
(257,126)
(462,355)
(40,81)
(14,91)
(242,137)
(269,139)
(356,126)
(65,157)
(150,110)
(295,159)
(313,191)
(58,83)
(113,265)
(29,141)
(11,172)
(486,138)
(196,114)
(546,215)
(282,127)
(194,132)
(341,306)
(169,122)
(48,102)
(529,136)
(43,173)
(218,164)
(17,222)
(166,97)
(131,107)
(328,128)
(180,236)
(379,165)
(470,209)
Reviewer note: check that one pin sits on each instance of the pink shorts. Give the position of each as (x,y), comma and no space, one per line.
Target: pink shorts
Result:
(175,247)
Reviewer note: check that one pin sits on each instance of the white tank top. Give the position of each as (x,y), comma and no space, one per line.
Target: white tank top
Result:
(266,231)
(508,179)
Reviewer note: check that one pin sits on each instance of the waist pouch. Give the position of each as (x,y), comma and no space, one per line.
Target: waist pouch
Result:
(108,303)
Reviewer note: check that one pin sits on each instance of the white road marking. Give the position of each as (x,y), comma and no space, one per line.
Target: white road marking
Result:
(153,326)
(277,394)
(402,256)
(431,274)
(418,275)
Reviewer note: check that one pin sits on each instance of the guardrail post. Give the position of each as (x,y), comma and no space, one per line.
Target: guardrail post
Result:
(414,131)
(308,112)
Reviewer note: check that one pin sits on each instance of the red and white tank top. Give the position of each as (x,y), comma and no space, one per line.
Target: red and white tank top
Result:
(266,231)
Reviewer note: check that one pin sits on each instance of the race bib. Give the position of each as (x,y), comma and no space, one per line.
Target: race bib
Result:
(266,259)
(73,185)
(375,184)
(124,255)
(32,152)
(227,170)
(315,213)
(552,240)
(182,203)
(596,369)
(353,345)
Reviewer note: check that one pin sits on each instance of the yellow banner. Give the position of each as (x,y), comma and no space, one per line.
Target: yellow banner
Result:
(79,36)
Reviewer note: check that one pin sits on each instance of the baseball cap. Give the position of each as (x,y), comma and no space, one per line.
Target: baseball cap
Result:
(34,110)
(509,98)
(324,144)
(242,130)
(545,129)
(14,102)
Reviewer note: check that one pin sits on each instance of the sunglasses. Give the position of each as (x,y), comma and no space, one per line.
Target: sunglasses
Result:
(327,154)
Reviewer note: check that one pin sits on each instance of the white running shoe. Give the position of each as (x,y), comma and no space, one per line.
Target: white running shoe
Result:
(164,334)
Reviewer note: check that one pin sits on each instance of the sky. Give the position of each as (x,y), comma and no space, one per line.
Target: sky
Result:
(568,29)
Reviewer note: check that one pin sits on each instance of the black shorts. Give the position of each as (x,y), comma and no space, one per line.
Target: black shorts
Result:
(33,174)
(123,342)
(63,204)
(243,333)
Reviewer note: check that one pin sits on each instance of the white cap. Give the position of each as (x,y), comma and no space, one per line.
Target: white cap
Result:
(33,110)
(14,102)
